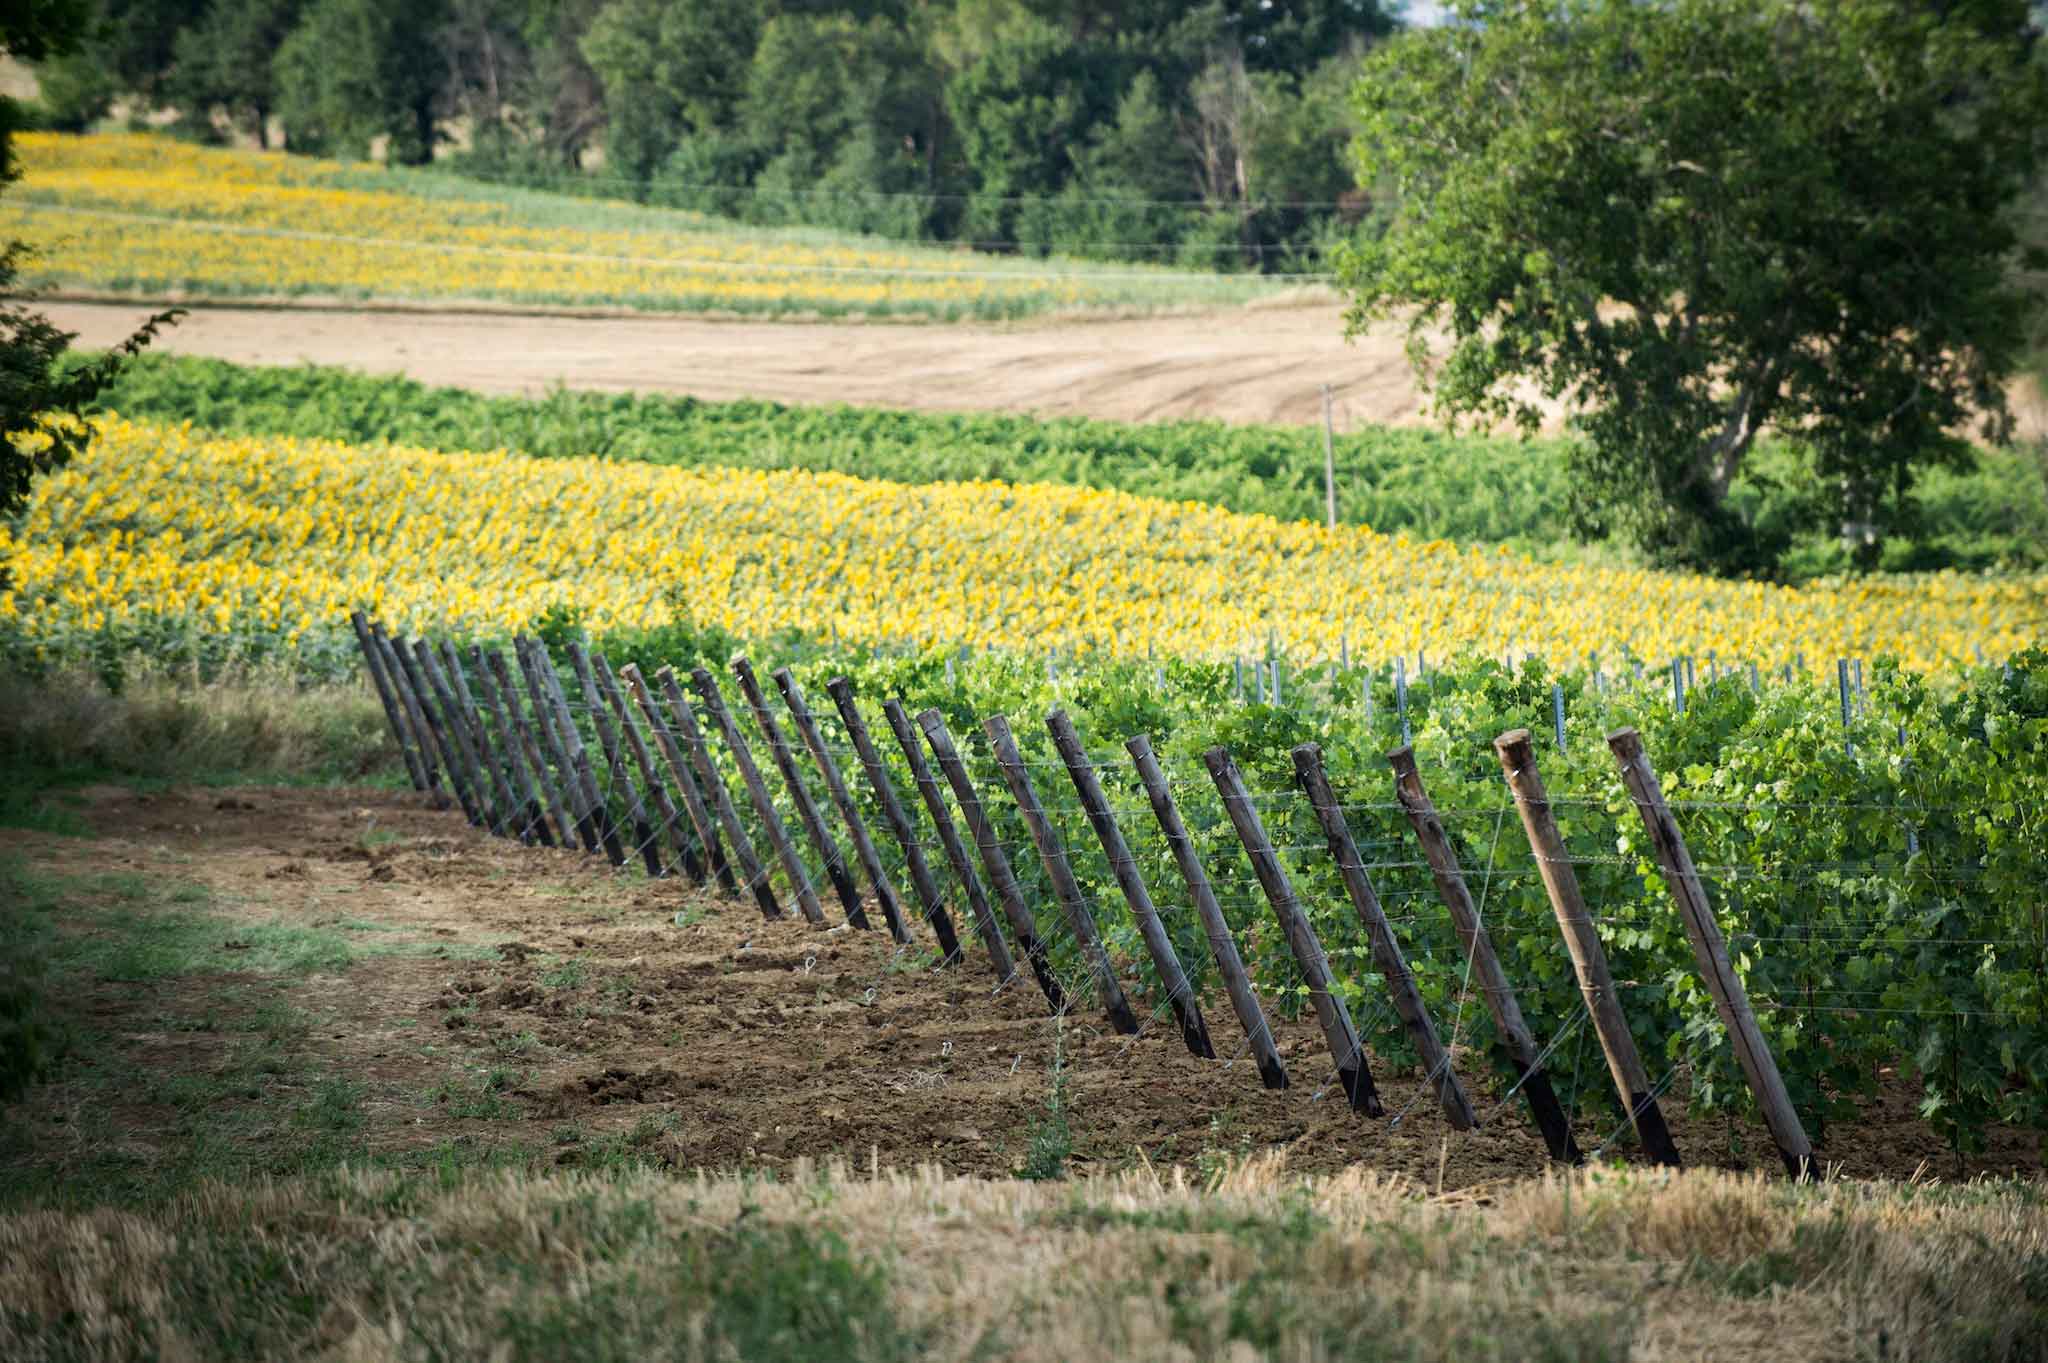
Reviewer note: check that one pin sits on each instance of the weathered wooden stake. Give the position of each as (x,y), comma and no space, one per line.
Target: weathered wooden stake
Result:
(416,719)
(1334,1017)
(665,811)
(1158,945)
(757,791)
(548,729)
(545,779)
(511,818)
(594,799)
(1386,951)
(401,728)
(718,800)
(1004,881)
(898,820)
(1237,982)
(440,710)
(978,907)
(1492,980)
(405,665)
(820,836)
(644,840)
(1582,940)
(849,813)
(1053,854)
(702,818)
(1730,998)
(513,752)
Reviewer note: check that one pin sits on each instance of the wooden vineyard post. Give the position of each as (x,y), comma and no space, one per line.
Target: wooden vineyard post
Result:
(545,720)
(978,907)
(672,825)
(1386,951)
(544,781)
(849,814)
(1730,998)
(1180,994)
(511,818)
(448,729)
(1011,895)
(408,666)
(1237,982)
(1053,854)
(594,801)
(1582,940)
(615,767)
(401,730)
(1492,981)
(893,813)
(717,798)
(1331,1013)
(757,791)
(409,706)
(468,745)
(513,750)
(702,819)
(807,813)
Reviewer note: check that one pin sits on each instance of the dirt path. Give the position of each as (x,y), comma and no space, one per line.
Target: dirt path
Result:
(533,999)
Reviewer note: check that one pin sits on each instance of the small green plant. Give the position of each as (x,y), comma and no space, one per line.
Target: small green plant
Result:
(566,974)
(1050,1140)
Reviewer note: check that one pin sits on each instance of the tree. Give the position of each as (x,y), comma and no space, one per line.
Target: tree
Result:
(357,70)
(669,68)
(224,61)
(1692,222)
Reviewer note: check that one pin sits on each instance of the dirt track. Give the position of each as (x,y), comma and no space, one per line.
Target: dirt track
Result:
(622,1005)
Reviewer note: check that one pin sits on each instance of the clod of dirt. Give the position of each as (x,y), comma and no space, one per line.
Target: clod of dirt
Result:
(230,802)
(517,995)
(383,871)
(516,952)
(622,1086)
(291,870)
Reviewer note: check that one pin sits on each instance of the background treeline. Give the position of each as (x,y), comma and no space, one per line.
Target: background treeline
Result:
(1205,134)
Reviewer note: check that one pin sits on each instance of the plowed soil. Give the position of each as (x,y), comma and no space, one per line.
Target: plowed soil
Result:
(612,1002)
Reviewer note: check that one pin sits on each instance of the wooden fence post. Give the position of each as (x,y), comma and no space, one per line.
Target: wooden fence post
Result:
(401,730)
(671,818)
(820,836)
(893,814)
(512,752)
(757,791)
(1582,940)
(978,907)
(545,783)
(579,757)
(1514,1033)
(1065,888)
(644,840)
(416,719)
(1331,1013)
(1730,998)
(432,724)
(548,726)
(448,729)
(702,819)
(717,798)
(1022,925)
(511,819)
(1386,951)
(849,814)
(1187,1011)
(1237,982)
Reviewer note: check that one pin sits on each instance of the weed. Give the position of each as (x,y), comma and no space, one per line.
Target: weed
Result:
(1050,1140)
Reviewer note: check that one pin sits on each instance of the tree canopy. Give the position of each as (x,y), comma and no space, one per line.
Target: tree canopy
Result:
(1695,222)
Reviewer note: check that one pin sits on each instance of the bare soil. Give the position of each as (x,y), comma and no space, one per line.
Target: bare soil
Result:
(606,1001)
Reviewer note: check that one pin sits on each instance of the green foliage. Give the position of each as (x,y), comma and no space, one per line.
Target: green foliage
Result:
(1421,482)
(354,71)
(1698,221)
(1050,1141)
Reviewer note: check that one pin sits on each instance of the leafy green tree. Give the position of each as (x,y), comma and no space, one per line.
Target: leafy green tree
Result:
(1693,222)
(353,71)
(224,61)
(669,68)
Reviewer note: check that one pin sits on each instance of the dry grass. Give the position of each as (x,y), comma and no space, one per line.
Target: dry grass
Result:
(1256,1265)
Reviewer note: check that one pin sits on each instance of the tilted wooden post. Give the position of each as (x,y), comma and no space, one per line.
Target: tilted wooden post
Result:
(1004,881)
(1492,981)
(548,729)
(407,665)
(757,791)
(401,728)
(849,813)
(1386,951)
(893,814)
(1346,1050)
(513,750)
(615,765)
(1582,940)
(579,757)
(427,679)
(1158,945)
(717,799)
(1759,1067)
(1080,921)
(978,907)
(511,818)
(1237,982)
(409,706)
(665,811)
(807,813)
(688,788)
